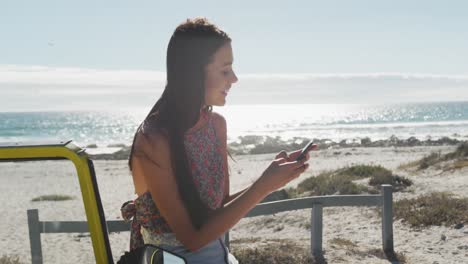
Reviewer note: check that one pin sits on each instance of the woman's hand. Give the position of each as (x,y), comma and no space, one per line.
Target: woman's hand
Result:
(295,154)
(282,170)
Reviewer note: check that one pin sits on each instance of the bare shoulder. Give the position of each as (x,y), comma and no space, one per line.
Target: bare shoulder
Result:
(150,159)
(219,122)
(153,146)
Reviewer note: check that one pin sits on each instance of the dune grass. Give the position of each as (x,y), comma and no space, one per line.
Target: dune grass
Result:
(459,164)
(245,240)
(398,182)
(353,249)
(52,197)
(286,251)
(393,257)
(328,183)
(5,259)
(460,152)
(279,251)
(363,171)
(409,165)
(342,243)
(459,158)
(429,161)
(341,182)
(437,208)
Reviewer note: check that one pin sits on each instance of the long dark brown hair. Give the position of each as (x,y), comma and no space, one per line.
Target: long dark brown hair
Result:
(190,49)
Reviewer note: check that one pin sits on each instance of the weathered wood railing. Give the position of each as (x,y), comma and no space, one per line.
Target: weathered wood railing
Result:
(384,200)
(317,203)
(37,227)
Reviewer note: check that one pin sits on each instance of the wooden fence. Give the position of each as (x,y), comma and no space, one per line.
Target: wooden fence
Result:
(316,204)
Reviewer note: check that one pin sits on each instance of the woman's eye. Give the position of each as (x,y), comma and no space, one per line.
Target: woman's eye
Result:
(225,72)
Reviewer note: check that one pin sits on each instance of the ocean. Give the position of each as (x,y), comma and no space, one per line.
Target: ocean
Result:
(108,129)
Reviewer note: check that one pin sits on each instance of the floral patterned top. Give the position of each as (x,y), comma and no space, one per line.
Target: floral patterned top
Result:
(205,157)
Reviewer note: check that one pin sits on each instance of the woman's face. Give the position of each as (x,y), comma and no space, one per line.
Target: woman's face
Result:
(219,76)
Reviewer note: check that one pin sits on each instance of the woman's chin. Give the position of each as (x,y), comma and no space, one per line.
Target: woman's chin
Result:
(220,103)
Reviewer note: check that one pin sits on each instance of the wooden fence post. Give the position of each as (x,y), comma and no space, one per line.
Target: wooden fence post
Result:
(316,230)
(35,236)
(387,219)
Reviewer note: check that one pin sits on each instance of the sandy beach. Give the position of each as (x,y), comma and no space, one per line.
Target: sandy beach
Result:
(21,182)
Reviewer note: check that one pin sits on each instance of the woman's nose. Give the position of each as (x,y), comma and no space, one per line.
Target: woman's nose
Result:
(234,79)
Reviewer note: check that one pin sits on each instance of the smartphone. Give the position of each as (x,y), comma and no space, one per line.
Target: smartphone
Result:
(305,150)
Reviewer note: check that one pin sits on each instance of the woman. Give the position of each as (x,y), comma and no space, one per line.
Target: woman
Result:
(179,154)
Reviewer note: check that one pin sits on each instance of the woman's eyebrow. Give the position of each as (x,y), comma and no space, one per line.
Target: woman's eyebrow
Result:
(227,63)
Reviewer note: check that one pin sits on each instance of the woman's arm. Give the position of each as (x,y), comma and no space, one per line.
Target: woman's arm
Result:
(229,198)
(156,169)
(155,166)
(221,134)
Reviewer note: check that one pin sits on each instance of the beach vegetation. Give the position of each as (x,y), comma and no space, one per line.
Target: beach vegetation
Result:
(398,182)
(434,209)
(429,160)
(269,222)
(460,152)
(459,164)
(341,181)
(282,251)
(394,257)
(409,165)
(363,171)
(343,243)
(329,183)
(287,251)
(52,197)
(292,192)
(282,194)
(459,158)
(244,241)
(5,259)
(353,249)
(306,225)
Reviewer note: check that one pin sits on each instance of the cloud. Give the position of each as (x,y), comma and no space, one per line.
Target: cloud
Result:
(311,76)
(42,75)
(41,88)
(350,88)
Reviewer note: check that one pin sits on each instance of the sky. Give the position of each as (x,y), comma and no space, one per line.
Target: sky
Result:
(89,55)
